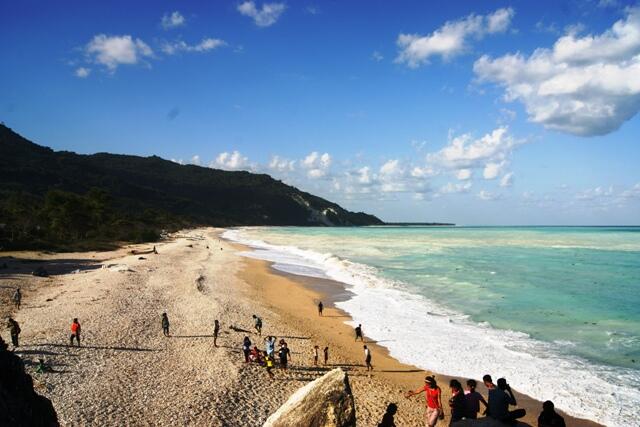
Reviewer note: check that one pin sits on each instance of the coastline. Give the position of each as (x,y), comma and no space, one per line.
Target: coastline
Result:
(295,298)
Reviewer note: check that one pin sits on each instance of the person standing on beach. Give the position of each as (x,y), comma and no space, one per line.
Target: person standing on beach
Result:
(320,308)
(268,363)
(14,330)
(246,348)
(284,355)
(216,331)
(358,330)
(257,324)
(432,394)
(500,398)
(367,358)
(326,355)
(472,400)
(270,345)
(165,324)
(315,355)
(75,331)
(17,298)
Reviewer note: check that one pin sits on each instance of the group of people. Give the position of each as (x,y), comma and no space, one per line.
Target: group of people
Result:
(465,404)
(267,356)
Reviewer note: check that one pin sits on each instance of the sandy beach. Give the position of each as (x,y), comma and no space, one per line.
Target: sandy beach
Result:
(127,373)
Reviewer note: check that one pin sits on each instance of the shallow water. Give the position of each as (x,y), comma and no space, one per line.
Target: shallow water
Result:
(554,309)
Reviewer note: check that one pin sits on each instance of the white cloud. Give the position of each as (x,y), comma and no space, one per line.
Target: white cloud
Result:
(112,51)
(280,164)
(195,160)
(316,164)
(451,39)
(231,161)
(377,56)
(364,175)
(205,45)
(486,195)
(463,174)
(265,17)
(585,86)
(462,187)
(423,172)
(492,170)
(82,72)
(506,180)
(174,20)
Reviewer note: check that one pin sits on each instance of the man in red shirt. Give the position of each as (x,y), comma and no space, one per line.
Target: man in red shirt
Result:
(75,331)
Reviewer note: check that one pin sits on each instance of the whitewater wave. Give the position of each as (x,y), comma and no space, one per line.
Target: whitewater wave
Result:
(417,331)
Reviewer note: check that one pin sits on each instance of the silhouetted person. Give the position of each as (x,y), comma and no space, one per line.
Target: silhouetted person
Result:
(257,323)
(358,330)
(17,298)
(320,308)
(14,330)
(326,355)
(387,418)
(472,400)
(499,400)
(456,402)
(284,353)
(165,324)
(216,331)
(75,331)
(367,358)
(246,348)
(549,417)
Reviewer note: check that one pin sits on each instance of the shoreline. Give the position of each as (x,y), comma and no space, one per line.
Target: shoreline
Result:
(295,297)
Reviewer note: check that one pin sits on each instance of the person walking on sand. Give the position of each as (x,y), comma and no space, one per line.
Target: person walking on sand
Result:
(17,298)
(284,355)
(257,323)
(216,331)
(358,330)
(14,330)
(320,308)
(75,331)
(472,400)
(326,355)
(165,324)
(433,395)
(246,348)
(316,349)
(367,358)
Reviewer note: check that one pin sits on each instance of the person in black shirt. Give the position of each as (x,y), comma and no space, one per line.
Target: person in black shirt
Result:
(549,417)
(457,403)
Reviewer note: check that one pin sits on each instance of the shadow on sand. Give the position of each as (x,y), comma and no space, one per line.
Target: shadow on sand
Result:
(94,347)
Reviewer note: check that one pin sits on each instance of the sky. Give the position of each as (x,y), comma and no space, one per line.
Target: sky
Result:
(477,113)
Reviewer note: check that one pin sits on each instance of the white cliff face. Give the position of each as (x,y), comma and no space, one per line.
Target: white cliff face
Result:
(324,402)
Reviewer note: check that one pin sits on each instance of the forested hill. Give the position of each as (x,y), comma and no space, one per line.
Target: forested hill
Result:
(53,198)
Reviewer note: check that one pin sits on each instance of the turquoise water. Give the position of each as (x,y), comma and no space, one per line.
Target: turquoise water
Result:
(576,289)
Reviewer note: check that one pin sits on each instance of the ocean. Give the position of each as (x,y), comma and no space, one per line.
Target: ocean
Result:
(555,310)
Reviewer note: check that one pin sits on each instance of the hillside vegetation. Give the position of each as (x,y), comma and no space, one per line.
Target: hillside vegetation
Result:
(59,199)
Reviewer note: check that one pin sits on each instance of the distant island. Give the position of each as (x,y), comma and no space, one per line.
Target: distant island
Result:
(63,200)
(420,224)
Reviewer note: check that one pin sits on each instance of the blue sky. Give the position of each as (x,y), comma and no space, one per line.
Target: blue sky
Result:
(474,113)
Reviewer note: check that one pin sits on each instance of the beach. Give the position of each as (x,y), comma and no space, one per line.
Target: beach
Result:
(127,372)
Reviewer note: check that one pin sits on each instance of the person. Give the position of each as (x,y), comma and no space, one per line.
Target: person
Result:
(258,324)
(387,418)
(216,331)
(270,345)
(268,364)
(326,355)
(75,331)
(549,417)
(17,298)
(456,402)
(472,400)
(432,393)
(358,330)
(42,367)
(284,355)
(255,355)
(367,358)
(500,398)
(165,324)
(14,330)
(315,355)
(246,348)
(320,308)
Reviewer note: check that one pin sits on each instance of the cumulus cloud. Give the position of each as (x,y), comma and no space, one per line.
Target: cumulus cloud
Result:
(377,56)
(316,164)
(195,160)
(174,20)
(451,39)
(231,161)
(205,45)
(583,85)
(281,164)
(506,180)
(82,72)
(112,51)
(463,174)
(450,187)
(264,17)
(492,170)
(488,196)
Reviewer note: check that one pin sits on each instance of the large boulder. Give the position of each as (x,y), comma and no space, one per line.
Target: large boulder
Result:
(20,405)
(324,402)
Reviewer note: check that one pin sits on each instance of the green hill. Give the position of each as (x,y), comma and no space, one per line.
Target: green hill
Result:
(58,199)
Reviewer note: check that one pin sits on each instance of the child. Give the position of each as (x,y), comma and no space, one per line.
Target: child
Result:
(472,400)
(387,418)
(268,363)
(75,331)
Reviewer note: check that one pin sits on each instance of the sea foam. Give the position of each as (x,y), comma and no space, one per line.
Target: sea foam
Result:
(419,332)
